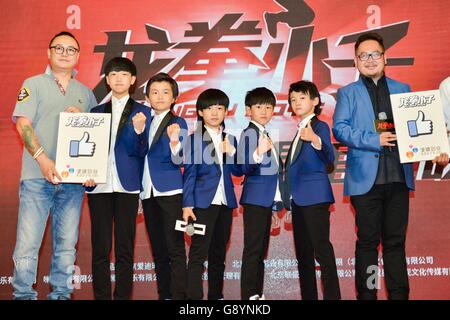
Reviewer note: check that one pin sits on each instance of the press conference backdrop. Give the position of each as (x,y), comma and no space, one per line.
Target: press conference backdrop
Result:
(236,46)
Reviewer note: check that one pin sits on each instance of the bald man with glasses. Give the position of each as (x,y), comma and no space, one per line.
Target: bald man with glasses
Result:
(36,114)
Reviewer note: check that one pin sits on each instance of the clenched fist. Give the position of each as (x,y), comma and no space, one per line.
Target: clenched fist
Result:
(173,131)
(139,122)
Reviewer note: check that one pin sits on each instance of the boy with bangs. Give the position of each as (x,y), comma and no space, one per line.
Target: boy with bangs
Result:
(261,194)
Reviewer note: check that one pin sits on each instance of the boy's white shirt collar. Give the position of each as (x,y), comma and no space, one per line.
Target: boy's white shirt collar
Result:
(302,124)
(161,115)
(121,101)
(212,131)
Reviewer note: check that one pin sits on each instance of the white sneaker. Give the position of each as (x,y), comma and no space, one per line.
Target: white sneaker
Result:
(262,297)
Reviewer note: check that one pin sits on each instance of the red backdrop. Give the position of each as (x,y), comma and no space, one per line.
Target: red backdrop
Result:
(226,44)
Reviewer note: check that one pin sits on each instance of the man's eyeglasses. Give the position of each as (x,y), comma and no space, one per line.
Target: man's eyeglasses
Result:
(60,50)
(375,55)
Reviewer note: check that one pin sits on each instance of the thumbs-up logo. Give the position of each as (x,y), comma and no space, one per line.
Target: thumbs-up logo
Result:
(82,148)
(420,126)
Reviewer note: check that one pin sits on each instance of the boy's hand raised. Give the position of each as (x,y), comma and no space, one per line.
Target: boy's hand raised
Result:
(307,133)
(264,144)
(139,122)
(173,131)
(227,147)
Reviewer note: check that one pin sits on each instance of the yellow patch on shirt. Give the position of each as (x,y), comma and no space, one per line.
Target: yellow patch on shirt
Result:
(24,94)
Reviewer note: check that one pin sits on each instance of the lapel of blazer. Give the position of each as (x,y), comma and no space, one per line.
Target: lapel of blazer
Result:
(288,158)
(253,126)
(365,98)
(276,146)
(392,86)
(224,154)
(125,115)
(108,109)
(209,144)
(300,142)
(161,128)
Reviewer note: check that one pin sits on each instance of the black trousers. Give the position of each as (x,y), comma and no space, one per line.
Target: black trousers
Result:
(257,222)
(107,209)
(211,246)
(311,227)
(382,215)
(168,248)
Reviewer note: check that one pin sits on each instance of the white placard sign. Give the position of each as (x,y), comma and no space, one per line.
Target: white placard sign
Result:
(419,125)
(83,143)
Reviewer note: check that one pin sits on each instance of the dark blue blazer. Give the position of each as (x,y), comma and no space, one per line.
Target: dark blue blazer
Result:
(130,148)
(202,171)
(165,169)
(353,126)
(306,176)
(260,181)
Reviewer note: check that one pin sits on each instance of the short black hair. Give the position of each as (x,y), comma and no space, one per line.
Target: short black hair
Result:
(211,97)
(120,64)
(260,95)
(309,88)
(64,33)
(369,36)
(163,77)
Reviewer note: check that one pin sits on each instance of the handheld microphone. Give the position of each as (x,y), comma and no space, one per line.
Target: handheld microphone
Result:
(190,230)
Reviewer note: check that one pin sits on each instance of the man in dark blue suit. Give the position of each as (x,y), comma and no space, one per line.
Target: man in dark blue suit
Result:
(116,201)
(308,193)
(377,183)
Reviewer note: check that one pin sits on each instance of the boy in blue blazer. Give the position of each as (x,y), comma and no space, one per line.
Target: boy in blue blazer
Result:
(163,187)
(116,201)
(308,193)
(261,164)
(208,192)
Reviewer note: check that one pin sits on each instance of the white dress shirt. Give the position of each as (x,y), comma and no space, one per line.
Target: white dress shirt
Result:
(216,137)
(112,177)
(259,159)
(147,179)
